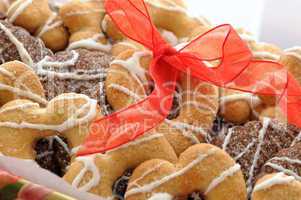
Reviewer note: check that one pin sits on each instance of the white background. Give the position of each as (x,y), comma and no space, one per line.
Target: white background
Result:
(276,21)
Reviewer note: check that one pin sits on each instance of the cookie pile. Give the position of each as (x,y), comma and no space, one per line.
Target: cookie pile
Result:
(63,67)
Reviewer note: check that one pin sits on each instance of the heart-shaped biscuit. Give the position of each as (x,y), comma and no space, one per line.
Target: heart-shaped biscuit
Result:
(201,168)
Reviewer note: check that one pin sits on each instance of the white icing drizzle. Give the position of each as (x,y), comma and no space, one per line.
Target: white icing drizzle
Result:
(89,165)
(296,48)
(84,12)
(204,21)
(297,139)
(185,126)
(138,141)
(282,169)
(149,187)
(25,57)
(59,64)
(146,173)
(250,98)
(24,93)
(227,139)
(7,73)
(161,196)
(91,43)
(261,135)
(44,154)
(40,68)
(218,180)
(277,179)
(19,107)
(104,25)
(50,25)
(132,64)
(266,54)
(171,6)
(125,91)
(287,159)
(181,45)
(22,5)
(245,150)
(105,108)
(74,150)
(62,143)
(170,37)
(128,44)
(68,124)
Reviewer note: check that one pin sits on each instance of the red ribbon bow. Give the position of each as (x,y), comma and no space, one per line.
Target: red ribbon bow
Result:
(236,70)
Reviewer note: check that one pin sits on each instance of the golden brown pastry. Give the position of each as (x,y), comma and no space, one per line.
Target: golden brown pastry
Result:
(37,18)
(99,173)
(201,168)
(19,81)
(83,19)
(23,122)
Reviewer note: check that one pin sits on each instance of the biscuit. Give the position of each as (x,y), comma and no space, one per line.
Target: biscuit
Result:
(83,19)
(23,123)
(100,173)
(19,81)
(37,18)
(201,168)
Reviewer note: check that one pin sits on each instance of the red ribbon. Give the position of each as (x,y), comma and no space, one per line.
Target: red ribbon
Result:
(236,70)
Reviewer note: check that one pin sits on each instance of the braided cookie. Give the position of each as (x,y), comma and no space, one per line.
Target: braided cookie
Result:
(83,19)
(79,71)
(102,174)
(172,15)
(201,168)
(18,81)
(18,44)
(261,50)
(23,123)
(37,18)
(169,15)
(253,144)
(195,102)
(285,182)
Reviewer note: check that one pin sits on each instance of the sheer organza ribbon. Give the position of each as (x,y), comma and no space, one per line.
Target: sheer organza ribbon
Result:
(236,69)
